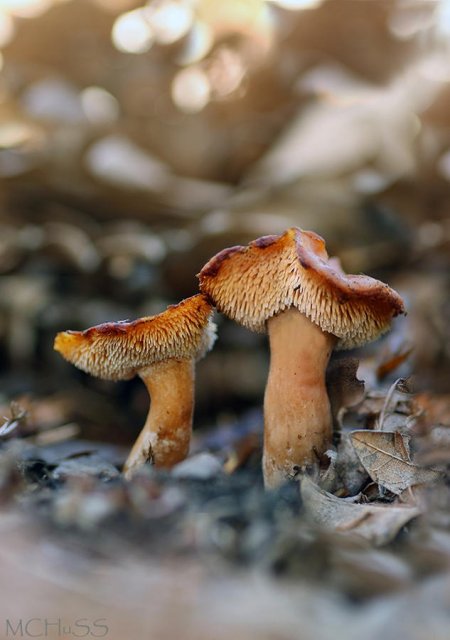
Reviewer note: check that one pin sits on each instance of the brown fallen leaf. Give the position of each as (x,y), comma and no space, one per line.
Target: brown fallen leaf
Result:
(377,523)
(386,457)
(243,450)
(392,362)
(345,476)
(387,411)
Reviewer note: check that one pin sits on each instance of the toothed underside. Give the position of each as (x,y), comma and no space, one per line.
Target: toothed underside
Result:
(254,283)
(117,350)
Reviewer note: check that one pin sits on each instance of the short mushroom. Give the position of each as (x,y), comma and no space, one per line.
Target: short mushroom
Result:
(288,286)
(162,351)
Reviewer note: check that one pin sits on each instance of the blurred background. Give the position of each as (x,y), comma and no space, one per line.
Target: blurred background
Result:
(137,140)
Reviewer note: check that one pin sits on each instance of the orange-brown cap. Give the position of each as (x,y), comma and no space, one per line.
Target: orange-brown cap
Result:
(253,283)
(118,350)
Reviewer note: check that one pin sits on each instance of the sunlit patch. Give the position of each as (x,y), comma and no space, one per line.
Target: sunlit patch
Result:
(442,17)
(14,134)
(295,5)
(251,19)
(202,24)
(6,29)
(25,8)
(170,20)
(191,90)
(99,105)
(132,33)
(233,15)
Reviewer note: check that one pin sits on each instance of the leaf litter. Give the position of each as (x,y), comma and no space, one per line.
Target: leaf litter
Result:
(354,528)
(378,524)
(386,458)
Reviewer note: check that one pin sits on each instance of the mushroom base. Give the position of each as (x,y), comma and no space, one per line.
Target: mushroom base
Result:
(297,416)
(166,435)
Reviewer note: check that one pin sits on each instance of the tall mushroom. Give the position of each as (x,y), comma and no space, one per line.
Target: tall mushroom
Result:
(288,286)
(162,351)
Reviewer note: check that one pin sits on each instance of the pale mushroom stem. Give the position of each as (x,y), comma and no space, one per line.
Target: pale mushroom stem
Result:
(165,437)
(297,416)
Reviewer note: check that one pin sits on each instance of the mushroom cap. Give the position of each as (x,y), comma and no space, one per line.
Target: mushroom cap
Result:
(251,284)
(119,350)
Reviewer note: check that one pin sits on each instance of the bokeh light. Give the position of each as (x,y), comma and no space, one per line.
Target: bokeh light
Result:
(6,28)
(191,90)
(442,16)
(12,134)
(169,20)
(99,105)
(25,8)
(295,5)
(132,32)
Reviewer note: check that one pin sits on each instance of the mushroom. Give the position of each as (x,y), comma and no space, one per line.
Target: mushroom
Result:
(162,351)
(288,286)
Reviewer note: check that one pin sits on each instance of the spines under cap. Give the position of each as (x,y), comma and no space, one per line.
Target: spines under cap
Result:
(117,350)
(251,284)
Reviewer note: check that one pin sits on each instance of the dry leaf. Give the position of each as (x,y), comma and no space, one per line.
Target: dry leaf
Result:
(386,412)
(243,450)
(391,363)
(368,572)
(18,417)
(345,476)
(377,523)
(385,456)
(399,387)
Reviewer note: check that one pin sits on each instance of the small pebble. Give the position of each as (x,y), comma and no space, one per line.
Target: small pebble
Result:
(203,466)
(92,465)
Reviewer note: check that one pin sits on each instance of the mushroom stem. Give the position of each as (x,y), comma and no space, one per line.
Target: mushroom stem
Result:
(297,416)
(166,434)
